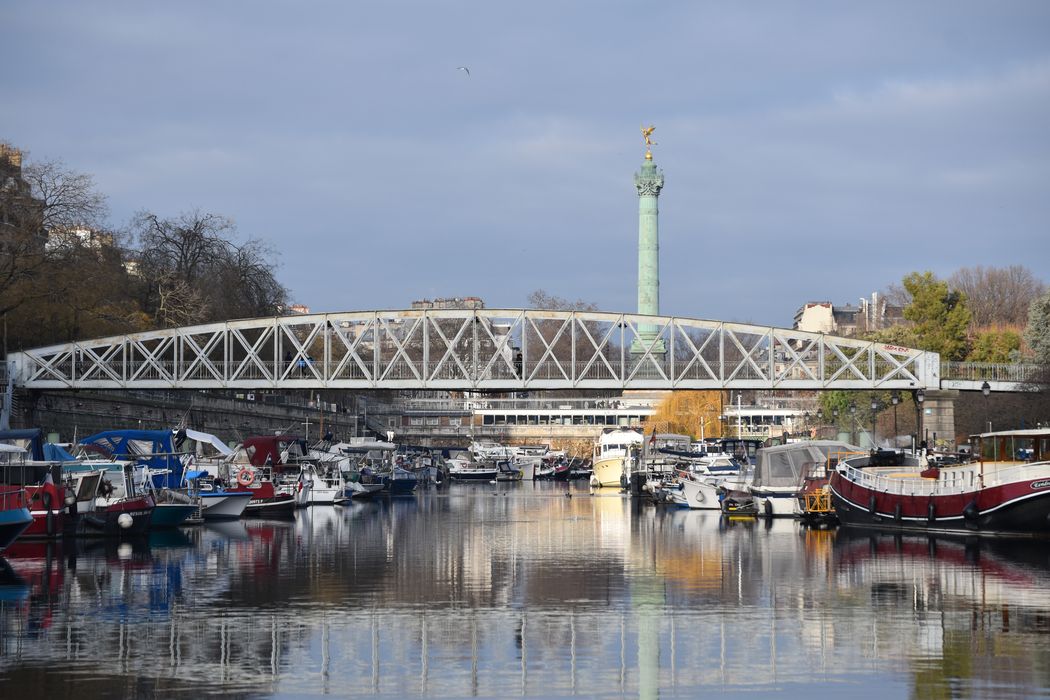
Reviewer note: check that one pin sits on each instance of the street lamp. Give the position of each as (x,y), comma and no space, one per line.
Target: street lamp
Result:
(853,421)
(920,396)
(895,398)
(874,411)
(986,389)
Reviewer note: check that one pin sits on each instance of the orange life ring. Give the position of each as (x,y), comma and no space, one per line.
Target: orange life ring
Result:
(245,477)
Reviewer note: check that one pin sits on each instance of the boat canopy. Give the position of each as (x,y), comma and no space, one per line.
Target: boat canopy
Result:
(31,439)
(11,448)
(57,453)
(150,448)
(787,465)
(263,450)
(209,439)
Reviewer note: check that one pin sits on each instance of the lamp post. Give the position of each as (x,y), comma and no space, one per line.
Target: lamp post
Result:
(920,396)
(986,389)
(853,421)
(835,421)
(895,398)
(874,411)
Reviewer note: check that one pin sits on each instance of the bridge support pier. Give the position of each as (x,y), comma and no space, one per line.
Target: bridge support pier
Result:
(939,418)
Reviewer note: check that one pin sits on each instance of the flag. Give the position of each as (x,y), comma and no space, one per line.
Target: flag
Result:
(652,440)
(53,495)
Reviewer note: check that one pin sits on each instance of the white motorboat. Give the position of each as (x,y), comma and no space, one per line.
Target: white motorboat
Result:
(612,454)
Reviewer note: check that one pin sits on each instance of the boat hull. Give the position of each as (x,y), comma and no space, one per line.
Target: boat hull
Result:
(106,521)
(608,473)
(224,506)
(13,522)
(697,495)
(274,508)
(167,515)
(1015,508)
(473,474)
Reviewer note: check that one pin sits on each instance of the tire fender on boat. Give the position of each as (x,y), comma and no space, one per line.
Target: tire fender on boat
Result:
(897,512)
(971,511)
(931,512)
(769,508)
(871,504)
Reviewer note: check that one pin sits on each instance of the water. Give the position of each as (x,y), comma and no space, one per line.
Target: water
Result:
(517,590)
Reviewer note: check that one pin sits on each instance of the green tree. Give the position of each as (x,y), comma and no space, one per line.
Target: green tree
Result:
(995,346)
(1037,334)
(939,315)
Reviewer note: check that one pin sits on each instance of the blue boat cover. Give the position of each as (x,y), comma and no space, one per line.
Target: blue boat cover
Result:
(57,453)
(150,448)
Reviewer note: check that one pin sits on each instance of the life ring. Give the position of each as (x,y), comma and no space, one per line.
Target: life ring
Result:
(245,477)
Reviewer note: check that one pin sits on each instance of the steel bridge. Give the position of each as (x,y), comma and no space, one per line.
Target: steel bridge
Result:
(477,350)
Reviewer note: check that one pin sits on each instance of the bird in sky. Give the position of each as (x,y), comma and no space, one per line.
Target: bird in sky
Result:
(465,70)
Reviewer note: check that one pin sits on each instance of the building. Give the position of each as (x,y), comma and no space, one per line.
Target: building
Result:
(449,303)
(869,315)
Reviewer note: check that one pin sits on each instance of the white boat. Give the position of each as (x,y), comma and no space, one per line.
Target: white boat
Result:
(215,503)
(612,456)
(781,473)
(319,485)
(696,492)
(488,451)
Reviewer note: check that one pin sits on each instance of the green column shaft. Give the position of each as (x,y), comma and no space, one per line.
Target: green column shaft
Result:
(648,181)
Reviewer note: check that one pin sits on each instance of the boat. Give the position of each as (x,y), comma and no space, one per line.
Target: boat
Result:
(120,509)
(473,471)
(216,503)
(694,491)
(1006,490)
(612,454)
(783,472)
(737,503)
(15,517)
(265,501)
(486,451)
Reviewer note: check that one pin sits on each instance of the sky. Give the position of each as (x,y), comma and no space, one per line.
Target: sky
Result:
(811,150)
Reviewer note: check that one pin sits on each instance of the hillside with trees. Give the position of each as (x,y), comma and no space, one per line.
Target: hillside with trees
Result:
(67,273)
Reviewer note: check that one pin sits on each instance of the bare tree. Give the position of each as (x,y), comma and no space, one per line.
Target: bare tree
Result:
(193,271)
(69,198)
(997,296)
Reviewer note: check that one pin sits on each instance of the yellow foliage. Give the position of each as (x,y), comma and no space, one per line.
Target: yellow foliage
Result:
(682,412)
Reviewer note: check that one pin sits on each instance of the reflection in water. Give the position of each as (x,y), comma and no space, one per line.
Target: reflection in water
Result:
(490,590)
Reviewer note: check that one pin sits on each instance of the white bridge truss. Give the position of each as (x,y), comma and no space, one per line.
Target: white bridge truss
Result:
(475,350)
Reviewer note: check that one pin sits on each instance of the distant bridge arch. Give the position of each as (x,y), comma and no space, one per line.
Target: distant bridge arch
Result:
(476,350)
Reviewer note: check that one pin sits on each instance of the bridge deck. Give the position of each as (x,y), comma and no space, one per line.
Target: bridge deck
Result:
(490,349)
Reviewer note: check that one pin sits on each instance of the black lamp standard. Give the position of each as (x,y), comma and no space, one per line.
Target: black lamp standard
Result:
(920,396)
(835,420)
(986,389)
(853,421)
(874,410)
(895,398)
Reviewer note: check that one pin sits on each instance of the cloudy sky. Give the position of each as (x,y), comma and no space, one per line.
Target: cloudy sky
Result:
(812,150)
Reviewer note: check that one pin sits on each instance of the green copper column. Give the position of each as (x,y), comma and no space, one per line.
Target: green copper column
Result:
(649,181)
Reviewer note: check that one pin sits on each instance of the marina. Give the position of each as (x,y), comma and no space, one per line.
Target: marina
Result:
(480,590)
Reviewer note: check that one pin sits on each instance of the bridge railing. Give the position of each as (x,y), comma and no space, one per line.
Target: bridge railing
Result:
(990,372)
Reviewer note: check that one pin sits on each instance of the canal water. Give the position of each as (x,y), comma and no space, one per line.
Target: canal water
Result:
(521,590)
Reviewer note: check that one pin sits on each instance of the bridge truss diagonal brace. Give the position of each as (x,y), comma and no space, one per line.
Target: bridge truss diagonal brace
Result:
(476,349)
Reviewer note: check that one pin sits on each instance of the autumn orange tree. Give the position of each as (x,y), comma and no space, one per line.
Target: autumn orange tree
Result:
(683,412)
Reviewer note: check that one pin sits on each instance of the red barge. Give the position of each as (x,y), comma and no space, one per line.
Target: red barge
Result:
(1005,491)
